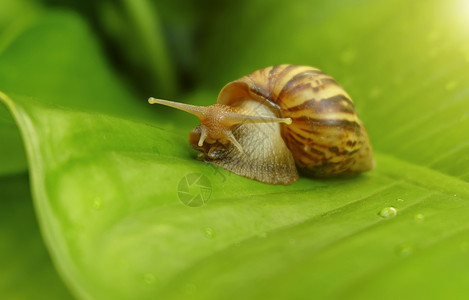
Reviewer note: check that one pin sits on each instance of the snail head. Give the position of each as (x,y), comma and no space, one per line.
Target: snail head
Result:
(217,121)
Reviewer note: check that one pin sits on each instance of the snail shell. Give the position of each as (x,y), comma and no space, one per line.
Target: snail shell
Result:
(267,122)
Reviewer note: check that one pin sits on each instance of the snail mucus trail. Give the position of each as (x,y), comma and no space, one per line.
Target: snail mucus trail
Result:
(266,124)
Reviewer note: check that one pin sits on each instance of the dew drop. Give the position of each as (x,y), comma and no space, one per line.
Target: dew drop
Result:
(348,56)
(97,203)
(432,53)
(419,218)
(433,36)
(388,212)
(397,80)
(149,278)
(464,247)
(404,250)
(400,200)
(190,289)
(209,233)
(450,85)
(375,92)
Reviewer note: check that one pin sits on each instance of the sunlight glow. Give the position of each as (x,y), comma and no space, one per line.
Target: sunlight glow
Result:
(463,9)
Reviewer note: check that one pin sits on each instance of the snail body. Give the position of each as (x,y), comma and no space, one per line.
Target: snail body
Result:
(267,124)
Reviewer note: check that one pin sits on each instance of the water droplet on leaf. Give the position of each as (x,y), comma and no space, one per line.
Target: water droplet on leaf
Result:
(419,218)
(450,85)
(209,233)
(404,250)
(348,56)
(375,92)
(464,246)
(190,288)
(149,278)
(433,36)
(97,203)
(388,212)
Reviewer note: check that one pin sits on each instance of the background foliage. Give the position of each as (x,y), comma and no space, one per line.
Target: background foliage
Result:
(104,166)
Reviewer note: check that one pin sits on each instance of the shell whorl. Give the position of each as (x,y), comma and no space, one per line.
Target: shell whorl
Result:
(326,136)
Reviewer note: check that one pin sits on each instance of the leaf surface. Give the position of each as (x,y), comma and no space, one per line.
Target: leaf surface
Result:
(27,271)
(107,171)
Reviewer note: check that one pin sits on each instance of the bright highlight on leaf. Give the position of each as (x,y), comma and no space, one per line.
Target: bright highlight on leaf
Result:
(465,8)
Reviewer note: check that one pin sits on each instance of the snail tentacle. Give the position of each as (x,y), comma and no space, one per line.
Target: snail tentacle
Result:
(199,111)
(203,135)
(233,140)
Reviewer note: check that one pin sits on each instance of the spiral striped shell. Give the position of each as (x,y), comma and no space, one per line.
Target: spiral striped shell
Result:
(326,136)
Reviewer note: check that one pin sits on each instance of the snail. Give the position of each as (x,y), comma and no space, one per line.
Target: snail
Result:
(275,121)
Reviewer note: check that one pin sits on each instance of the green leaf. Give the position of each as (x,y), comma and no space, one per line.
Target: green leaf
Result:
(14,10)
(27,272)
(14,16)
(134,26)
(12,156)
(108,171)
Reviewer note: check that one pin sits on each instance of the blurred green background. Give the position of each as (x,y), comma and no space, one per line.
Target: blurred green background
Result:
(88,170)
